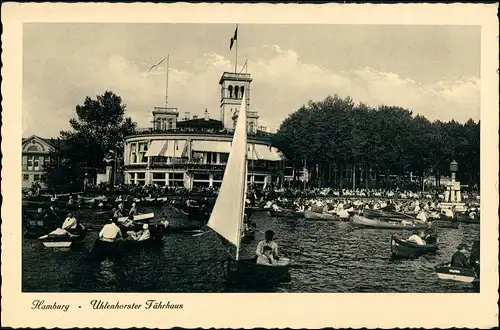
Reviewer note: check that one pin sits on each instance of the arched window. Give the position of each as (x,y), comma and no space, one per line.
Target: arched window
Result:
(236,90)
(33,148)
(242,89)
(170,123)
(230,89)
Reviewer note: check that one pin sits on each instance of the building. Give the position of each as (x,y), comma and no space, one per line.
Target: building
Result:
(35,156)
(193,152)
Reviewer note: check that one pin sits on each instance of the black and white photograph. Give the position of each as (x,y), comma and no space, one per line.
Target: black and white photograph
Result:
(240,157)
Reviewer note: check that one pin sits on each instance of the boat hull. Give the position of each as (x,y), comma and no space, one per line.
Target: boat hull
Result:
(287,214)
(248,272)
(310,215)
(448,224)
(372,223)
(369,213)
(446,272)
(63,241)
(403,249)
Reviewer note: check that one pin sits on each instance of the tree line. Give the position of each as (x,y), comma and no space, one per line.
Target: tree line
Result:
(96,138)
(381,143)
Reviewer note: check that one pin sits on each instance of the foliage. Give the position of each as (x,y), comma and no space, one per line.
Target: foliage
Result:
(97,134)
(336,133)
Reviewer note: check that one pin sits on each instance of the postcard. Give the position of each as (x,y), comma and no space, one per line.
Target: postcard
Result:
(250,165)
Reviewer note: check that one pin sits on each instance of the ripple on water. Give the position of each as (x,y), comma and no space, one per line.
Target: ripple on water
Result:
(326,257)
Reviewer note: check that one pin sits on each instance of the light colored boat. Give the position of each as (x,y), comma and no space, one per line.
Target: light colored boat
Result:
(397,224)
(310,215)
(446,272)
(139,217)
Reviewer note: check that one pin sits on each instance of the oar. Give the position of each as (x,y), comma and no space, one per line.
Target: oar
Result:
(200,234)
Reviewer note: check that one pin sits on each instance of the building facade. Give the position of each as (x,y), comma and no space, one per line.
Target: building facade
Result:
(35,157)
(194,152)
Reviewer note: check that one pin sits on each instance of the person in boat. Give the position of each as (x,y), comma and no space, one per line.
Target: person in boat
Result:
(431,233)
(70,224)
(133,210)
(421,216)
(111,232)
(141,235)
(417,238)
(266,258)
(129,222)
(269,242)
(459,259)
(474,256)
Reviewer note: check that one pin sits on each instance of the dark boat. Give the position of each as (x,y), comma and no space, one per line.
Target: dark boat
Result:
(446,272)
(248,272)
(448,224)
(401,248)
(369,213)
(287,214)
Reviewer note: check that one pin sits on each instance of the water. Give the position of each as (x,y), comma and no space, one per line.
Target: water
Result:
(327,257)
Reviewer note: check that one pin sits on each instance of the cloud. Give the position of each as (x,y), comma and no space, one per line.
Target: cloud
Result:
(282,83)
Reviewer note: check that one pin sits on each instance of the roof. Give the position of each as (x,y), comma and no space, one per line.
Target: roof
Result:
(200,123)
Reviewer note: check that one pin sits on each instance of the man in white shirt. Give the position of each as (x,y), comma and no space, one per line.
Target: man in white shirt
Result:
(111,232)
(416,238)
(70,223)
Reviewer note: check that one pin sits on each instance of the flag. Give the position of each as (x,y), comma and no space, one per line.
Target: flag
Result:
(154,66)
(234,38)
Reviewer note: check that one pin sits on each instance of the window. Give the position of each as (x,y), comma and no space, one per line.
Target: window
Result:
(141,176)
(176,179)
(230,89)
(33,148)
(211,158)
(197,157)
(46,162)
(26,177)
(37,164)
(223,157)
(25,163)
(201,177)
(170,124)
(36,177)
(30,163)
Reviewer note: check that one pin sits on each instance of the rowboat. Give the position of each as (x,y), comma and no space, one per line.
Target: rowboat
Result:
(369,213)
(139,217)
(403,249)
(310,215)
(60,238)
(448,224)
(228,213)
(446,272)
(372,223)
(287,214)
(248,272)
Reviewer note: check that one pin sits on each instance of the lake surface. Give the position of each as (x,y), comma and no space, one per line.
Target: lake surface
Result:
(326,257)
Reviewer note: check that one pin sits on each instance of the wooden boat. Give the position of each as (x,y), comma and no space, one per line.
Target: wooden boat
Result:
(446,272)
(448,224)
(248,272)
(60,239)
(287,214)
(369,213)
(138,217)
(228,213)
(310,215)
(372,223)
(401,248)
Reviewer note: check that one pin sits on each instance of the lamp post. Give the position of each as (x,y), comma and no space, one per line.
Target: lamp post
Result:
(453,170)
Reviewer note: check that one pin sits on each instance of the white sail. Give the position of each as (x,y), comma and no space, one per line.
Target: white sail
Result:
(227,215)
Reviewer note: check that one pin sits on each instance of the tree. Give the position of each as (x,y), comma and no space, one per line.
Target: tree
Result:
(97,133)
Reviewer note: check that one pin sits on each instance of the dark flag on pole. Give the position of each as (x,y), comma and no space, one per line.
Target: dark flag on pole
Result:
(233,39)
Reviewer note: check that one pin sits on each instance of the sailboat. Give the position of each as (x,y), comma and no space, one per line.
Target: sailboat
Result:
(227,215)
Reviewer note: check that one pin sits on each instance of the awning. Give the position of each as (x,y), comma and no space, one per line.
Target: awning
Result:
(211,146)
(175,148)
(155,148)
(267,153)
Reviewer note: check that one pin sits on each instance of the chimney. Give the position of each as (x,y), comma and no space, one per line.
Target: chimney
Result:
(195,116)
(207,115)
(187,115)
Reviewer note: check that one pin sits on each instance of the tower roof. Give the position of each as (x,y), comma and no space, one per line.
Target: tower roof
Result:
(245,77)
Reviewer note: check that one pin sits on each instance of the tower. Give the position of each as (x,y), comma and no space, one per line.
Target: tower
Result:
(233,85)
(165,118)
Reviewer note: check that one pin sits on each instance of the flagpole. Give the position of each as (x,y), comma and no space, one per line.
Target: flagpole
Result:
(166,83)
(236,59)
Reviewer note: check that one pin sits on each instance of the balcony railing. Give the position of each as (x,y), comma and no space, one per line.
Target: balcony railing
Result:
(224,132)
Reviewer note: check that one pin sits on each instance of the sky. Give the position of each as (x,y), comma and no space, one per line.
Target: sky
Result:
(431,70)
